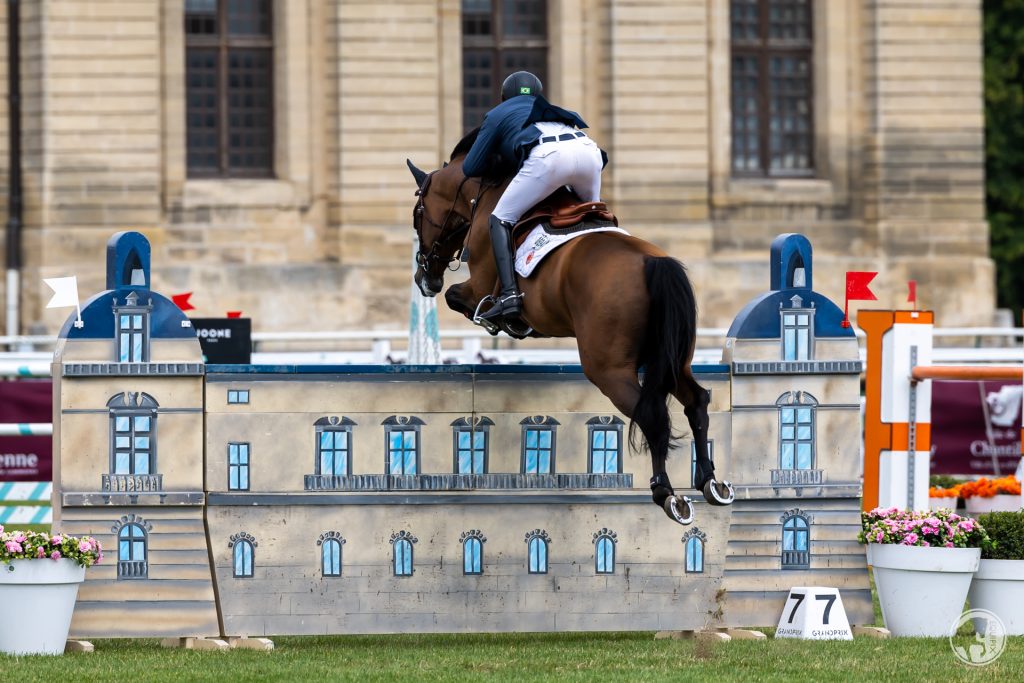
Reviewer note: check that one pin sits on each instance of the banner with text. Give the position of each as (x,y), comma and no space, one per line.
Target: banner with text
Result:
(976,427)
(26,458)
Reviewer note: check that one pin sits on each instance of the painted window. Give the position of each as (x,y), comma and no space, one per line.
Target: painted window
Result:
(797,331)
(605,444)
(499,37)
(537,551)
(471,444)
(772,88)
(539,445)
(132,321)
(472,556)
(796,540)
(132,543)
(132,434)
(604,551)
(402,444)
(229,100)
(403,558)
(238,396)
(330,556)
(694,555)
(243,554)
(693,459)
(796,431)
(238,467)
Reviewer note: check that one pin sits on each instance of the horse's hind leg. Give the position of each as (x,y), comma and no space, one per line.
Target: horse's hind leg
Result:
(695,400)
(622,388)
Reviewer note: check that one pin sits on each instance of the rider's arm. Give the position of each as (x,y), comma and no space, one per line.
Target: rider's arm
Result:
(477,161)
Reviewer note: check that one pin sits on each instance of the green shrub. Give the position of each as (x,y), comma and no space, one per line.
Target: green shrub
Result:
(1006,530)
(944,481)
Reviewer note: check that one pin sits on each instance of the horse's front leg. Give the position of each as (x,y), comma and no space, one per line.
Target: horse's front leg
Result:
(459,298)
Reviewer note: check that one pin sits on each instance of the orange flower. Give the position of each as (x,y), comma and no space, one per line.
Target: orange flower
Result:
(986,488)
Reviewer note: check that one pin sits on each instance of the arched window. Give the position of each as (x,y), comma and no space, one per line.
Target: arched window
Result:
(796,540)
(243,553)
(604,551)
(537,551)
(330,553)
(693,545)
(401,544)
(132,545)
(472,552)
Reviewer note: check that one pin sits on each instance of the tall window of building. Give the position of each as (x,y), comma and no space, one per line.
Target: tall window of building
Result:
(402,444)
(238,467)
(604,551)
(471,441)
(132,319)
(796,540)
(797,331)
(605,444)
(498,38)
(333,446)
(796,430)
(472,552)
(243,551)
(132,543)
(132,434)
(539,444)
(693,547)
(330,544)
(772,88)
(229,88)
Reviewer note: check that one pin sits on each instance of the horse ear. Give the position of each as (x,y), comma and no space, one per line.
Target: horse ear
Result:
(445,165)
(419,175)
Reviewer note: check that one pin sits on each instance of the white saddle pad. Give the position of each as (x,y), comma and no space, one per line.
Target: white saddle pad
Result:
(540,243)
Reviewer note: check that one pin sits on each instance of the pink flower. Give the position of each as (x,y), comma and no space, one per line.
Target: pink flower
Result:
(57,540)
(1,528)
(910,539)
(19,536)
(84,546)
(926,544)
(879,536)
(55,555)
(13,546)
(949,544)
(40,553)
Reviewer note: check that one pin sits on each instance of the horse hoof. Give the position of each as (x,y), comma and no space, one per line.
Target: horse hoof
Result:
(719,492)
(679,509)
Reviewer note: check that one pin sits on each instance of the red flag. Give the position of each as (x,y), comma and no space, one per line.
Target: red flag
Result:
(857,289)
(181,301)
(234,314)
(912,296)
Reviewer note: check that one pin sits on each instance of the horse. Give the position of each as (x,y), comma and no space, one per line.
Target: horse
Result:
(628,304)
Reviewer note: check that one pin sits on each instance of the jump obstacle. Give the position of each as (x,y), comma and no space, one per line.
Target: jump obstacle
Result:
(897,407)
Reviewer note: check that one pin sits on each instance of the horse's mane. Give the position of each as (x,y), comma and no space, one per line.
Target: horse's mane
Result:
(462,149)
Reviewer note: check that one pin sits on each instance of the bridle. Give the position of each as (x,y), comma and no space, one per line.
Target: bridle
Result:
(425,261)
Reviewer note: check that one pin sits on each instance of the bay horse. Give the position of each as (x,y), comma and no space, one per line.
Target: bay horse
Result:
(628,304)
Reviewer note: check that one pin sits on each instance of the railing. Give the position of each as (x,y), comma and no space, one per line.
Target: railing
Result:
(796,559)
(132,569)
(132,483)
(465,482)
(796,477)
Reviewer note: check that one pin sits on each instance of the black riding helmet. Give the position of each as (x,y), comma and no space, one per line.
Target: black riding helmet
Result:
(521,83)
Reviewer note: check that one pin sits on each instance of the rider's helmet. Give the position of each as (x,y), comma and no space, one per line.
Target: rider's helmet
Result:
(521,83)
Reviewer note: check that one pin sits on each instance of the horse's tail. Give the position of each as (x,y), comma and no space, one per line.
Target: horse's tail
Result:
(667,344)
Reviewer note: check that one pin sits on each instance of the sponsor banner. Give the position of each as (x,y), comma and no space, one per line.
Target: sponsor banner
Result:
(225,340)
(26,458)
(976,427)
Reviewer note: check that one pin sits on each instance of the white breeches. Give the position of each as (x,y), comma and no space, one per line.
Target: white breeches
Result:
(576,163)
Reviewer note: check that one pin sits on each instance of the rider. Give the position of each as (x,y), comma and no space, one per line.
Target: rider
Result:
(544,144)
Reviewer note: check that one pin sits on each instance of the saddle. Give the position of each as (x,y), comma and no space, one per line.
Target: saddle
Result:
(562,211)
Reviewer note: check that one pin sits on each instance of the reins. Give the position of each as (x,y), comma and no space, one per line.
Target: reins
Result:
(420,215)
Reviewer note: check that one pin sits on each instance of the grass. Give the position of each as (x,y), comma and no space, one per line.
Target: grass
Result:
(525,657)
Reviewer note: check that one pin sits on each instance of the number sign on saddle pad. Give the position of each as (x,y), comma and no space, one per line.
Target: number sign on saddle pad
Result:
(539,243)
(814,613)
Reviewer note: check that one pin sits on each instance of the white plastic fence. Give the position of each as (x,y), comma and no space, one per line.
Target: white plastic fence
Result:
(12,493)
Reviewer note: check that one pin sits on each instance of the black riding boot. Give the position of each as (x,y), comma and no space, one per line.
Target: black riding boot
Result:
(510,299)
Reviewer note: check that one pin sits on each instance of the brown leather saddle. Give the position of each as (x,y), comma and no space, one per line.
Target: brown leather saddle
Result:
(562,211)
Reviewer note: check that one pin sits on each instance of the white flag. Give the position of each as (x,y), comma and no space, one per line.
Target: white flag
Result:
(65,291)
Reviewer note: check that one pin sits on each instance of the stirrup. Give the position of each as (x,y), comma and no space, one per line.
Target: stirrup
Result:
(501,302)
(491,327)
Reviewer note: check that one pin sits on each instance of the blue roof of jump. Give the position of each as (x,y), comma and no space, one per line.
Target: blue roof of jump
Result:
(483,369)
(791,287)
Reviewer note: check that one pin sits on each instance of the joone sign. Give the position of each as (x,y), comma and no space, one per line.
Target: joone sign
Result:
(26,458)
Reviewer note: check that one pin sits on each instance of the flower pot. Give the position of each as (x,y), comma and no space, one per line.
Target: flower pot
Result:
(922,590)
(1002,502)
(999,587)
(939,503)
(38,597)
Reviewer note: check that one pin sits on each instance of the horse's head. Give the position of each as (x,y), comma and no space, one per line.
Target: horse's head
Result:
(439,222)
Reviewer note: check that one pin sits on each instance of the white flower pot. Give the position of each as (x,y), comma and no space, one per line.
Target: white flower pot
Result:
(999,587)
(939,503)
(922,590)
(1002,502)
(37,598)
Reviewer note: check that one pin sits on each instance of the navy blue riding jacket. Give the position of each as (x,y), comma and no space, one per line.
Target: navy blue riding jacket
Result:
(508,129)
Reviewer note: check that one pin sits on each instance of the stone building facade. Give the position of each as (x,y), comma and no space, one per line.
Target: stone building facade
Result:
(856,123)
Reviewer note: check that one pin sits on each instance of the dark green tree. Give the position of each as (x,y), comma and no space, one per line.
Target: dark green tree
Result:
(1004,146)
